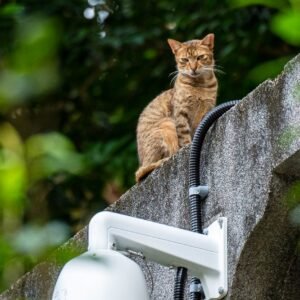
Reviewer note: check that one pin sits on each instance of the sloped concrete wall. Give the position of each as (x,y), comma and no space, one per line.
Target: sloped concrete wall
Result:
(251,157)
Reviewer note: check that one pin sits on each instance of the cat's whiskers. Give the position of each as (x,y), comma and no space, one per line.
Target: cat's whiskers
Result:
(214,69)
(218,69)
(218,66)
(173,79)
(174,74)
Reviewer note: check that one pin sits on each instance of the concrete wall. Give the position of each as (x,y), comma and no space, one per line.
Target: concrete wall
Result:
(251,158)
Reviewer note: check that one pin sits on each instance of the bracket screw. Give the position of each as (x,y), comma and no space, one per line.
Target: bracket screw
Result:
(221,290)
(220,222)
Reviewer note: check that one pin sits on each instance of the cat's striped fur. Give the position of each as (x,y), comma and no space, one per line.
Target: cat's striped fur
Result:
(169,121)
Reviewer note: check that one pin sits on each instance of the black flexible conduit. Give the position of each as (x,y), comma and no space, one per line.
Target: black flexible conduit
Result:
(180,283)
(195,199)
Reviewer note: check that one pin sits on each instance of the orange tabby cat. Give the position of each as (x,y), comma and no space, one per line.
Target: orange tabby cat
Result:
(170,120)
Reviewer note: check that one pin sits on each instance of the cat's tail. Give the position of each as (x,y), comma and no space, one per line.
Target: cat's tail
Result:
(144,171)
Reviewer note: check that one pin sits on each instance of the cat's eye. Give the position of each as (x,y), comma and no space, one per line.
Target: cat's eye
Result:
(184,60)
(202,57)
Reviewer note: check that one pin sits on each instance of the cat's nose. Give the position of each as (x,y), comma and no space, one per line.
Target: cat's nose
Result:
(193,68)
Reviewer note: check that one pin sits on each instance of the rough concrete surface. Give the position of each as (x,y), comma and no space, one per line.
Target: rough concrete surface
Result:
(249,161)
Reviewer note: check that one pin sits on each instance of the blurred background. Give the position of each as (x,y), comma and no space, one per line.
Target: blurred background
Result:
(74,77)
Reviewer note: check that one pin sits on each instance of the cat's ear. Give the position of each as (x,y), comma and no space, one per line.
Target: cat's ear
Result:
(175,45)
(209,41)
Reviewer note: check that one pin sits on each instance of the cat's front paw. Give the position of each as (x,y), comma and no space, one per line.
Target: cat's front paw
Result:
(184,142)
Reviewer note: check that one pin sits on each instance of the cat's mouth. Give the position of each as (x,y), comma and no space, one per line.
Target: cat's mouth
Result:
(192,74)
(198,73)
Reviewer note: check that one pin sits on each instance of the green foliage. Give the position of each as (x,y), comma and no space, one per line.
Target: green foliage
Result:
(51,153)
(12,9)
(286,25)
(279,4)
(28,71)
(267,69)
(22,165)
(35,240)
(12,179)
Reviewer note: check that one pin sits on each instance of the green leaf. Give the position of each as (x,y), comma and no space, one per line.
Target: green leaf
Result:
(11,9)
(13,179)
(31,69)
(37,43)
(10,139)
(51,153)
(266,70)
(295,4)
(150,53)
(287,26)
(279,4)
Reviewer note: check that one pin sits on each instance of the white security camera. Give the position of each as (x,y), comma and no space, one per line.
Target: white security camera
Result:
(104,272)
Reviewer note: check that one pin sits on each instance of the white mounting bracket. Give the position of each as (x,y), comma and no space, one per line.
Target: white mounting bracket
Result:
(204,255)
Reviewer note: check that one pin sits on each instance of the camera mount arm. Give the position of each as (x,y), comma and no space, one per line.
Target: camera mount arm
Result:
(204,255)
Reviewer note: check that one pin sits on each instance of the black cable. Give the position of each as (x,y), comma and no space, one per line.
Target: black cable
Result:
(194,161)
(195,199)
(180,280)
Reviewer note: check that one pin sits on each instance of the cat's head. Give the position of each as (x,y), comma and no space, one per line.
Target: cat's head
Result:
(195,57)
